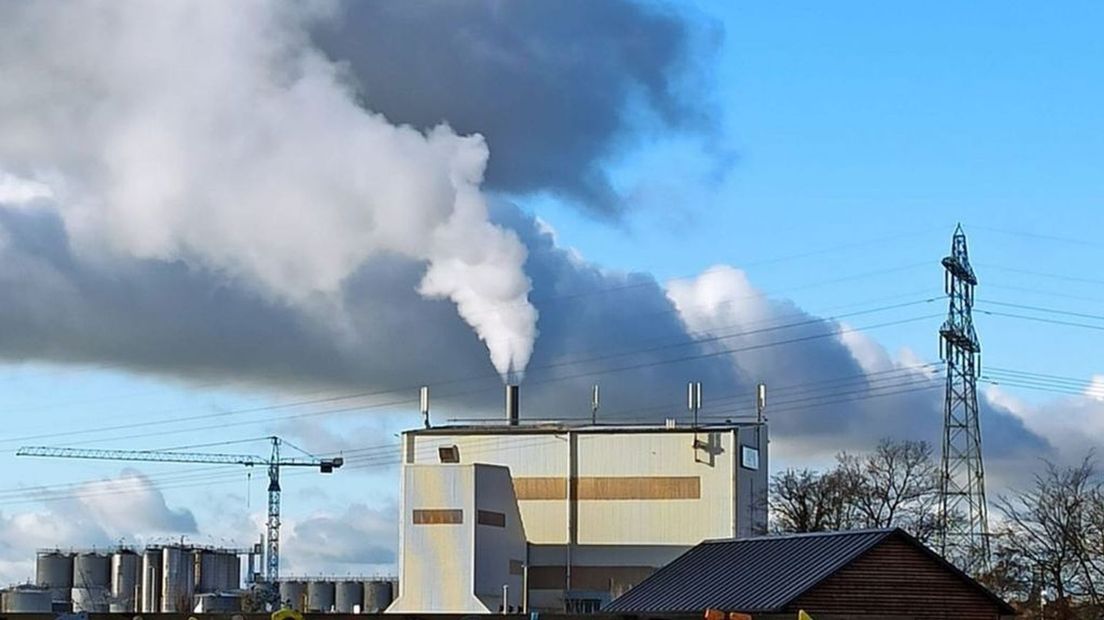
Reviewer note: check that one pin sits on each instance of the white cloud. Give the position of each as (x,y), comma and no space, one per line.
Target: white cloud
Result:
(361,540)
(221,138)
(1095,390)
(96,513)
(830,386)
(18,191)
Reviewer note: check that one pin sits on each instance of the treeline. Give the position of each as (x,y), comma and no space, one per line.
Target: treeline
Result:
(1047,539)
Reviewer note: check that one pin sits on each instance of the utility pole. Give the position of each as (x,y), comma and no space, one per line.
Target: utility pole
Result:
(964,519)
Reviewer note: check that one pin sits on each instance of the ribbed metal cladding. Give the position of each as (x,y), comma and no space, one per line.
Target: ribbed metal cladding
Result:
(750,575)
(512,404)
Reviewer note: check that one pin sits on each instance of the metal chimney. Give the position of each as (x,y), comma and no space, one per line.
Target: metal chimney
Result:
(512,405)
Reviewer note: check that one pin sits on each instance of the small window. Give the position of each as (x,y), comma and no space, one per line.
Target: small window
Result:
(489,517)
(749,457)
(438,516)
(448,454)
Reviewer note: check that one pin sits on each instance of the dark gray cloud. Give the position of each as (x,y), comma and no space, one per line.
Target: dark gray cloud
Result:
(548,83)
(170,319)
(619,330)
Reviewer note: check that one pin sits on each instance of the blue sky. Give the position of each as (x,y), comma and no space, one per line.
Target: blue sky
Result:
(852,139)
(879,127)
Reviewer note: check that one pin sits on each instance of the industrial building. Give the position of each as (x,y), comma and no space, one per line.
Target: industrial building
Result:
(866,574)
(557,517)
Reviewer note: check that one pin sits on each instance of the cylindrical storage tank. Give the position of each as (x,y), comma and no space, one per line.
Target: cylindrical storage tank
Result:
(93,600)
(54,570)
(151,580)
(320,596)
(210,567)
(92,570)
(377,596)
(177,579)
(294,594)
(348,597)
(28,600)
(233,571)
(126,575)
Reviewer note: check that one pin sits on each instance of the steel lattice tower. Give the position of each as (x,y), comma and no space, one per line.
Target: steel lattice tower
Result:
(963,513)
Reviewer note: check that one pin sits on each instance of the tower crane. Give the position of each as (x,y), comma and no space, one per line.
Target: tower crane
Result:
(274,463)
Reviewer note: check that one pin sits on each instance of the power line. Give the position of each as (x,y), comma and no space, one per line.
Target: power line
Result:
(482,377)
(1084,315)
(1042,320)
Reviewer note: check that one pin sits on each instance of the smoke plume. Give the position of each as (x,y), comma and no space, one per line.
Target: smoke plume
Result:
(217,136)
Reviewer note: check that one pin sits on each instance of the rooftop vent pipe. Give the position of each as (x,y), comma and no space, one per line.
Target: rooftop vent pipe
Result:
(512,405)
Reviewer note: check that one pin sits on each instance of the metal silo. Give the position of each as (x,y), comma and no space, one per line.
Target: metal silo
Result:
(320,596)
(210,566)
(348,597)
(177,579)
(151,580)
(54,570)
(294,594)
(91,570)
(26,599)
(233,571)
(126,575)
(91,582)
(377,596)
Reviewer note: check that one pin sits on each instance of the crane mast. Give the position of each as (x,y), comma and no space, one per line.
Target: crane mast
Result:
(274,463)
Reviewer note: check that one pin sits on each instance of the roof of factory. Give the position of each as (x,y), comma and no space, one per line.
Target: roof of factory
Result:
(769,573)
(557,427)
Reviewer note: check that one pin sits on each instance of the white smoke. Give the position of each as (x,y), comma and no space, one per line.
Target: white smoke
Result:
(215,134)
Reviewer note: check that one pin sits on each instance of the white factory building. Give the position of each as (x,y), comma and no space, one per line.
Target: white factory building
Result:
(557,517)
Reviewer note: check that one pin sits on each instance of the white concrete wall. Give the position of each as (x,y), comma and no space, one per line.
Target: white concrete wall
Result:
(496,547)
(458,567)
(436,569)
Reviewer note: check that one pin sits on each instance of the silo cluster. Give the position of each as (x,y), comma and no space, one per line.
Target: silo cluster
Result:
(153,580)
(343,596)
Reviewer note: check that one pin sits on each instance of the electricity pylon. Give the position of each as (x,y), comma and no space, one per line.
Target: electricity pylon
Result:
(964,519)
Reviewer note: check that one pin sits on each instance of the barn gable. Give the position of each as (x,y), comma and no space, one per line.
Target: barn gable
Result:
(869,574)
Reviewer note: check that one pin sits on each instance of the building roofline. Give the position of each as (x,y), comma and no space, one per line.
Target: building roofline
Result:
(886,533)
(555,428)
(889,532)
(768,537)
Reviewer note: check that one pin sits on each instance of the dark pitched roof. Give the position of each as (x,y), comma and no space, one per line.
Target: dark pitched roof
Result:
(757,574)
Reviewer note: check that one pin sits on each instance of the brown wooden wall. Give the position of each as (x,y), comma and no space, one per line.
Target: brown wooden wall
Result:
(896,580)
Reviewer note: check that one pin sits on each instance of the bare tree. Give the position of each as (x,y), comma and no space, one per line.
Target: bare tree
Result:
(1055,530)
(896,485)
(809,501)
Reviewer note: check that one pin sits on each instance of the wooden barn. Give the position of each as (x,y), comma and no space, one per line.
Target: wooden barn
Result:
(868,575)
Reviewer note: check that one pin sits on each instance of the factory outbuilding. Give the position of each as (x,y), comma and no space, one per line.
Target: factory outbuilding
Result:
(555,517)
(869,575)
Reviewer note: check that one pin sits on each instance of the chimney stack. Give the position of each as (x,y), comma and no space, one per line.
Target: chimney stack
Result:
(512,405)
